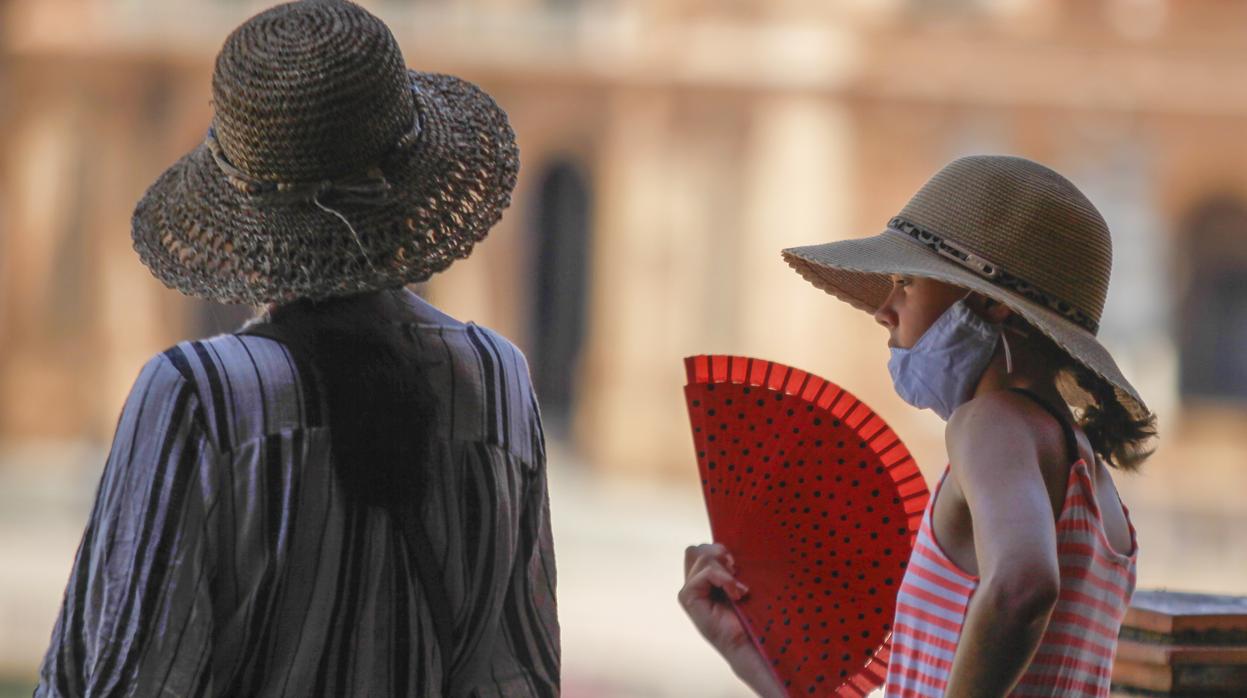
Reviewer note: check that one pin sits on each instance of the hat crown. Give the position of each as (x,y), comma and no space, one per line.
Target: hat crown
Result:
(309,91)
(1024,218)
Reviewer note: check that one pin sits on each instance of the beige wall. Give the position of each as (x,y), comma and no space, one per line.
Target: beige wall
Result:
(708,150)
(81,314)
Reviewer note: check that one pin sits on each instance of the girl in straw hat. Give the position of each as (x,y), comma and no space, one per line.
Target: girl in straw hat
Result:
(348,497)
(990,283)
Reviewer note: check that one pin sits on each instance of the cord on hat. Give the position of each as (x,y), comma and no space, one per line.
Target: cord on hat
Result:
(369,188)
(355,235)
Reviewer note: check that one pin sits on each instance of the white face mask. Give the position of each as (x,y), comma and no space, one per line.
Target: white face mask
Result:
(941,369)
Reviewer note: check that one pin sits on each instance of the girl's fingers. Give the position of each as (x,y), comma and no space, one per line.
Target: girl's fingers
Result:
(707,561)
(702,583)
(695,555)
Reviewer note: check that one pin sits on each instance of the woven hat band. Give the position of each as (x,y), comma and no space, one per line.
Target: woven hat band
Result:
(993,272)
(366,185)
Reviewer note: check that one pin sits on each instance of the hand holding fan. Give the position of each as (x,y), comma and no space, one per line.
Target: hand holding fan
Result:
(819,503)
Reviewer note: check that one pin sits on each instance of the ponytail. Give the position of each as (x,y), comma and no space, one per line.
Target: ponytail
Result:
(1121,439)
(1116,435)
(380,406)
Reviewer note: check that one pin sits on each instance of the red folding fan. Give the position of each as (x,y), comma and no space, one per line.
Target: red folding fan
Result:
(819,503)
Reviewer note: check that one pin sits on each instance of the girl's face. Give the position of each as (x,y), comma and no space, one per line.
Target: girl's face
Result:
(912,306)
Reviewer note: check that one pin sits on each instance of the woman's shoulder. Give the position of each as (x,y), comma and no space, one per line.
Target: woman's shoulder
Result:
(249,386)
(505,349)
(483,381)
(232,361)
(476,342)
(476,349)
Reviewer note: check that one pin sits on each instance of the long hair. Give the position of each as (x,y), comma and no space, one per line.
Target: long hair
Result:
(380,406)
(1122,439)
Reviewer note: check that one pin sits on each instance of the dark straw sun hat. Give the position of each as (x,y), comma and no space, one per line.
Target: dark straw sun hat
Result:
(329,169)
(1005,227)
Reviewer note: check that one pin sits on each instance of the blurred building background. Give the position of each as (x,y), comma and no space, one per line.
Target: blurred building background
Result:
(670,149)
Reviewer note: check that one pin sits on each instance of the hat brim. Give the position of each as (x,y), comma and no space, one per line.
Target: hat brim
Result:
(199,234)
(856,271)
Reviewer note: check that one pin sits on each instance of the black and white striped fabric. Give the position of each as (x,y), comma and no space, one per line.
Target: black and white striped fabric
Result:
(221,558)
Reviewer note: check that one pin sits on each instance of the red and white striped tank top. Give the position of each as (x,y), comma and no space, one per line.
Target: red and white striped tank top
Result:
(1075,655)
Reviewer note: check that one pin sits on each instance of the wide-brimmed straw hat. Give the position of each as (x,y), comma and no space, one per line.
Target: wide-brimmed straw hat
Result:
(330,168)
(1006,227)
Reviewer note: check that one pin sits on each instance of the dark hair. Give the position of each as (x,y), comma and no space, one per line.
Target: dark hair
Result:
(1123,440)
(380,407)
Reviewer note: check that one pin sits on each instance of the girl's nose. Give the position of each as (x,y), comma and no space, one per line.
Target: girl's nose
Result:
(885,315)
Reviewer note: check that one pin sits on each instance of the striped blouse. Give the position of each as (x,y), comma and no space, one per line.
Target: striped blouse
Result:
(1075,654)
(221,558)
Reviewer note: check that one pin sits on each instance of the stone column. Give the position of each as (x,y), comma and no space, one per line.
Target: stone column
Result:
(800,191)
(632,372)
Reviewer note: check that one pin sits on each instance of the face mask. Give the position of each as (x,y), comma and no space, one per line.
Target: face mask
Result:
(941,369)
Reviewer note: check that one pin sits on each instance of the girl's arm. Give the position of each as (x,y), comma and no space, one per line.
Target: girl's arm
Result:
(994,453)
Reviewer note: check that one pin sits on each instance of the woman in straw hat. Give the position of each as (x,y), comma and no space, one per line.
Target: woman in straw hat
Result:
(348,497)
(990,283)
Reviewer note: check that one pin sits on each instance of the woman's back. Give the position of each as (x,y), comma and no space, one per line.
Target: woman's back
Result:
(381,529)
(308,591)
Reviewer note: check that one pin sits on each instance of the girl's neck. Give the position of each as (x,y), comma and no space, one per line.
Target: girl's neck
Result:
(1029,372)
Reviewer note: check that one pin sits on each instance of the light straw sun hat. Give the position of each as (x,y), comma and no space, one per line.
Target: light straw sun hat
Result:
(330,168)
(1006,227)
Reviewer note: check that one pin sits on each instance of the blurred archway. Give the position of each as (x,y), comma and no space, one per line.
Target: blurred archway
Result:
(560,280)
(1212,325)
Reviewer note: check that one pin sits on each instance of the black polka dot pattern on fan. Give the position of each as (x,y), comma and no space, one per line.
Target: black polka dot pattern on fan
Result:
(819,503)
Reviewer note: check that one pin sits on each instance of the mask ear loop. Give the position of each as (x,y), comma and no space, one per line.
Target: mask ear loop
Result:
(1004,338)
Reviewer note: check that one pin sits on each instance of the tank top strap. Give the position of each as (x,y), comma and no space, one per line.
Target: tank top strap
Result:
(1062,418)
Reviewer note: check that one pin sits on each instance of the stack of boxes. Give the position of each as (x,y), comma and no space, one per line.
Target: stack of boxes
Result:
(1178,644)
